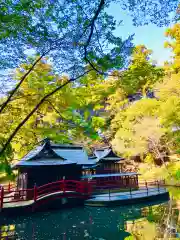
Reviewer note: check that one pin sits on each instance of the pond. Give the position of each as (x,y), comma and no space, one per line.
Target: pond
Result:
(146,222)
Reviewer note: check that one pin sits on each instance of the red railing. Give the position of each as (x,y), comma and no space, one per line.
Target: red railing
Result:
(69,188)
(65,186)
(116,185)
(9,187)
(145,188)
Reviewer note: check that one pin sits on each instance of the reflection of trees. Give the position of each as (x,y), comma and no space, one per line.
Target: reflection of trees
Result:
(174,193)
(154,213)
(142,229)
(7,232)
(142,223)
(168,226)
(148,228)
(161,221)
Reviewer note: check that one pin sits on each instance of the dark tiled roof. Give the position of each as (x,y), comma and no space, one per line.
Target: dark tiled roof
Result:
(56,154)
(107,154)
(47,162)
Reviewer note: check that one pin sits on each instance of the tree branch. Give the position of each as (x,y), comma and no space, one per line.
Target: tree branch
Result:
(19,84)
(92,25)
(102,2)
(70,122)
(35,108)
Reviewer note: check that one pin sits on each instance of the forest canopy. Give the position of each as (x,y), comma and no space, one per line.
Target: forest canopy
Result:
(66,76)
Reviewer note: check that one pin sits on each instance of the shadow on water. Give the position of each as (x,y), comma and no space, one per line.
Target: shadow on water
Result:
(144,221)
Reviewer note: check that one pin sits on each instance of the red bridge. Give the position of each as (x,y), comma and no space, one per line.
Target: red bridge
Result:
(9,197)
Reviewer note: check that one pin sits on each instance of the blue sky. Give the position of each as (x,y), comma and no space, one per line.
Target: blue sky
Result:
(151,35)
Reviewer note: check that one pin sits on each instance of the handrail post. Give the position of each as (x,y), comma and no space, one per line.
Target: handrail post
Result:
(130,192)
(63,186)
(35,192)
(158,187)
(9,187)
(109,193)
(80,187)
(88,188)
(2,197)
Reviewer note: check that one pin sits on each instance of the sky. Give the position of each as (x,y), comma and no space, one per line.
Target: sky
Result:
(151,35)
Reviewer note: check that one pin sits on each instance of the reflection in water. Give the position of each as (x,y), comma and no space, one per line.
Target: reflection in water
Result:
(159,222)
(127,222)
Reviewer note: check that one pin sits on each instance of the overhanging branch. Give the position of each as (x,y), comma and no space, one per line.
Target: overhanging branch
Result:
(92,25)
(20,82)
(35,109)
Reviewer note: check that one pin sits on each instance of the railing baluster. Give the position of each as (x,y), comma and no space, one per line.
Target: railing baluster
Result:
(146,187)
(78,187)
(35,193)
(2,197)
(109,193)
(63,186)
(9,187)
(130,192)
(158,187)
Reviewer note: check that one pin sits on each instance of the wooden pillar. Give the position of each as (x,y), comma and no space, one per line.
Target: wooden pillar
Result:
(16,184)
(133,181)
(120,181)
(137,181)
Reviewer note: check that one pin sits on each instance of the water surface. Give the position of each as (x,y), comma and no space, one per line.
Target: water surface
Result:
(146,222)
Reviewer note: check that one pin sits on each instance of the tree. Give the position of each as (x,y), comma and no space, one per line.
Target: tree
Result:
(174,45)
(140,131)
(157,12)
(148,126)
(47,29)
(58,116)
(75,36)
(65,26)
(131,85)
(142,73)
(80,47)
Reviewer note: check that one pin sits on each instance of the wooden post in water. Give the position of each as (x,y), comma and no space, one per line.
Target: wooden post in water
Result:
(2,196)
(109,193)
